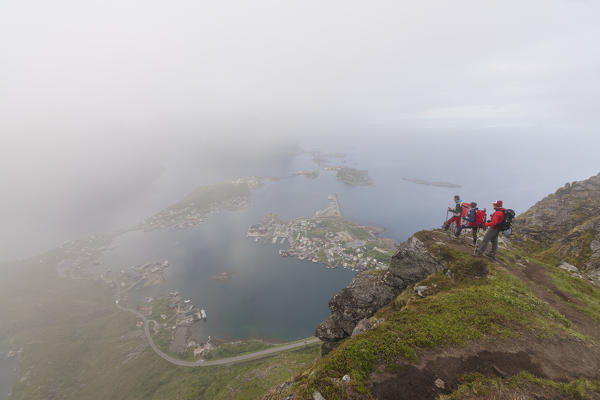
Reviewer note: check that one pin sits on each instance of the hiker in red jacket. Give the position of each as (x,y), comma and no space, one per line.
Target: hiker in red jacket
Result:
(472,221)
(457,215)
(493,231)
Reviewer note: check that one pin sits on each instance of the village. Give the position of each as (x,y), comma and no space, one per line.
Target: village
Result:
(326,238)
(171,319)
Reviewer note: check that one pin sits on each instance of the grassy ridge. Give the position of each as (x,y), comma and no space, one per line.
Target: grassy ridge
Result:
(478,302)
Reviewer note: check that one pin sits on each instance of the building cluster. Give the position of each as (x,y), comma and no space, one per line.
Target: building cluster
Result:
(185,312)
(312,239)
(189,215)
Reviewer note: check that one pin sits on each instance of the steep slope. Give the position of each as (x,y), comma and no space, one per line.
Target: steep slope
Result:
(441,322)
(566,225)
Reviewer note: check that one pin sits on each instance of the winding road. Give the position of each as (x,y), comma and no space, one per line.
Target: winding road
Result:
(223,361)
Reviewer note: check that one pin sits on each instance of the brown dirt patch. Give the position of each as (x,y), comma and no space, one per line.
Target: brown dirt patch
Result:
(412,382)
(536,277)
(559,360)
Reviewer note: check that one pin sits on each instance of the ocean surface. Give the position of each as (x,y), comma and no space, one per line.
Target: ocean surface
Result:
(270,296)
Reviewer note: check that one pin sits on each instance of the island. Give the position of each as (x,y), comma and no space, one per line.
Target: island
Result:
(327,238)
(204,200)
(434,183)
(352,176)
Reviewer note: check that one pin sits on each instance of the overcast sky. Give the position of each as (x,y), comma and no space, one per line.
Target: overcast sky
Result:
(97,97)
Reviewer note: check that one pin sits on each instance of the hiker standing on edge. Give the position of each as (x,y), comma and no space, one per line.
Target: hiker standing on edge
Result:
(471,219)
(492,233)
(457,212)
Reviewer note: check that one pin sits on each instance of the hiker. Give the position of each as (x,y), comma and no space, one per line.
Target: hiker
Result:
(472,221)
(456,217)
(494,230)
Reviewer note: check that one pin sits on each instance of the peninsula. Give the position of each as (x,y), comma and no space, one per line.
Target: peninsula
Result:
(204,200)
(327,238)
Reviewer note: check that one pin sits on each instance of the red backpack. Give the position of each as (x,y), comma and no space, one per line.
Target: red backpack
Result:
(480,218)
(465,209)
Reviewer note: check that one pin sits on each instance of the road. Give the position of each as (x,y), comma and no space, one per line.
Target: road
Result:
(222,361)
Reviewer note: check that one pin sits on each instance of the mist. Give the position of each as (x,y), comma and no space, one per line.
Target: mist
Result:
(111,110)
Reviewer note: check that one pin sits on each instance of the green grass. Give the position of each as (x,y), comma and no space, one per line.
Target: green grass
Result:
(478,303)
(583,291)
(161,306)
(479,386)
(238,348)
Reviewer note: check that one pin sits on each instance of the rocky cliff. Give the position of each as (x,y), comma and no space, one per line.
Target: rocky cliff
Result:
(566,225)
(369,291)
(440,323)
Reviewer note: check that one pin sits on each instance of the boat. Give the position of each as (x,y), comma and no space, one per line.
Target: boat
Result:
(282,240)
(203,314)
(274,240)
(256,239)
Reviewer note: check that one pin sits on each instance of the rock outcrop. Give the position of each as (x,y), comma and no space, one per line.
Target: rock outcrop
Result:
(567,223)
(555,216)
(447,327)
(369,291)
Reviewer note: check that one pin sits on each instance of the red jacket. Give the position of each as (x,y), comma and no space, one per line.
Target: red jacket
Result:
(497,218)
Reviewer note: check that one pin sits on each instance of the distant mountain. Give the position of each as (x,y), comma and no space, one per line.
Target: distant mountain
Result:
(440,323)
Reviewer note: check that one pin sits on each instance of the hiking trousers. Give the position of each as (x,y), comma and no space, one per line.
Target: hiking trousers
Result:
(473,230)
(454,219)
(490,236)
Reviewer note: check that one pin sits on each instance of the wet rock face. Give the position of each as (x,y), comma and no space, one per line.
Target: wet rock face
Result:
(368,292)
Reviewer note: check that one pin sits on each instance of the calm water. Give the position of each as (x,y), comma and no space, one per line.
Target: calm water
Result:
(270,296)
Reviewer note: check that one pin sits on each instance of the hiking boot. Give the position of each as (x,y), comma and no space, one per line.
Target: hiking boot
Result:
(491,255)
(477,254)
